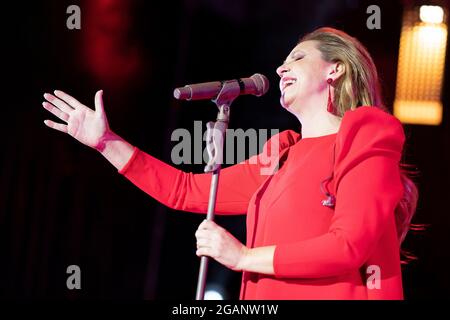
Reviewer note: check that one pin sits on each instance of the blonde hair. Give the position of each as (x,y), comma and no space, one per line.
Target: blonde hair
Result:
(360,86)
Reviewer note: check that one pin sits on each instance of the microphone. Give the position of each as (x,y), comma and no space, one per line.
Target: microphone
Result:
(257,85)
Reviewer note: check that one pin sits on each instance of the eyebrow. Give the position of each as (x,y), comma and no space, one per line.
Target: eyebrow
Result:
(294,53)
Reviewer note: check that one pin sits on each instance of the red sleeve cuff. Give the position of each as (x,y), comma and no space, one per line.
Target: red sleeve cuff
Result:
(280,257)
(130,161)
(276,266)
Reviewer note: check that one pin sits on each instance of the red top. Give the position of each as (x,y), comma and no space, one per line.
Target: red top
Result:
(321,252)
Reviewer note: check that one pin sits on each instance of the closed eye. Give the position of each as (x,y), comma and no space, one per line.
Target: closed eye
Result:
(294,59)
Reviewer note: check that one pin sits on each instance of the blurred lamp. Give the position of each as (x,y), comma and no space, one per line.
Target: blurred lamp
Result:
(421,63)
(431,14)
(213,294)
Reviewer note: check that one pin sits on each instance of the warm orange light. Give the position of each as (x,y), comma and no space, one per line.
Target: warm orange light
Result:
(421,67)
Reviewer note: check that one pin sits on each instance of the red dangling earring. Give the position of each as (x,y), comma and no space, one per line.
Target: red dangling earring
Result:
(330,107)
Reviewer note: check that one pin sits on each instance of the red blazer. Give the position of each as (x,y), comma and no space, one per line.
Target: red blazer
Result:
(321,252)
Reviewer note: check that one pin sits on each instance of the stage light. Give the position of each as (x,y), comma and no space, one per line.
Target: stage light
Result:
(421,63)
(214,291)
(213,295)
(108,52)
(431,14)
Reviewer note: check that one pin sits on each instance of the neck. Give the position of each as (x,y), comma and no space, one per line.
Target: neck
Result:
(318,122)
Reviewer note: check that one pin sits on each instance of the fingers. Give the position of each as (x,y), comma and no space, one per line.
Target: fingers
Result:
(71,101)
(207,239)
(208,230)
(208,225)
(205,251)
(202,234)
(57,112)
(99,102)
(57,126)
(57,102)
(203,242)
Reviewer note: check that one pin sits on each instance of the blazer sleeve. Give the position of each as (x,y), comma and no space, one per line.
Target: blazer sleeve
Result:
(190,192)
(368,188)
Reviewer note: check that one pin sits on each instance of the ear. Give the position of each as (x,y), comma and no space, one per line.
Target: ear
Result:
(337,70)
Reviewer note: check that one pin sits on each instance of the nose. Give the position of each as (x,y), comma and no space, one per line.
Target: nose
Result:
(281,70)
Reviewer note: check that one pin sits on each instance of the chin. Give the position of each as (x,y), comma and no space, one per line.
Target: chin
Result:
(285,103)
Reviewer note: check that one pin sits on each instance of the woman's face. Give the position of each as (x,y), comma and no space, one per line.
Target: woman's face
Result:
(304,77)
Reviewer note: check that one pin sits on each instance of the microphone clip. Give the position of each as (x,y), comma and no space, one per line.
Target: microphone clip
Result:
(330,201)
(229,91)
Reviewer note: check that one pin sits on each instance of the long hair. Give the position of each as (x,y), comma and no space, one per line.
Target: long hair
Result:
(360,86)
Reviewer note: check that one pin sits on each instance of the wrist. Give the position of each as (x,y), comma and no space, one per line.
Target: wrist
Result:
(115,149)
(106,140)
(244,260)
(258,260)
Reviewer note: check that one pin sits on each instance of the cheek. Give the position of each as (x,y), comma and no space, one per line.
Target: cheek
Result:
(311,81)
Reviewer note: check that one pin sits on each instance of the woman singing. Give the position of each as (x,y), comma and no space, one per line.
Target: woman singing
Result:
(329,222)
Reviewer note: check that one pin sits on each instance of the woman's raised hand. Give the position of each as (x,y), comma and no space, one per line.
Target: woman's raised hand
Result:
(88,126)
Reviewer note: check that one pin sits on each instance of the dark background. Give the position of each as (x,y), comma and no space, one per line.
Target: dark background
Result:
(62,203)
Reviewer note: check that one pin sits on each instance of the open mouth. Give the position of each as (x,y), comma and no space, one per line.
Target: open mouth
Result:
(286,82)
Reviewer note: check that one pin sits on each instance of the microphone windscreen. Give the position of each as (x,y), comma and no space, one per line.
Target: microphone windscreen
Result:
(261,83)
(183,93)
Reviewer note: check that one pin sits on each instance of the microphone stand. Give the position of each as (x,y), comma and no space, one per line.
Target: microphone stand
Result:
(214,145)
